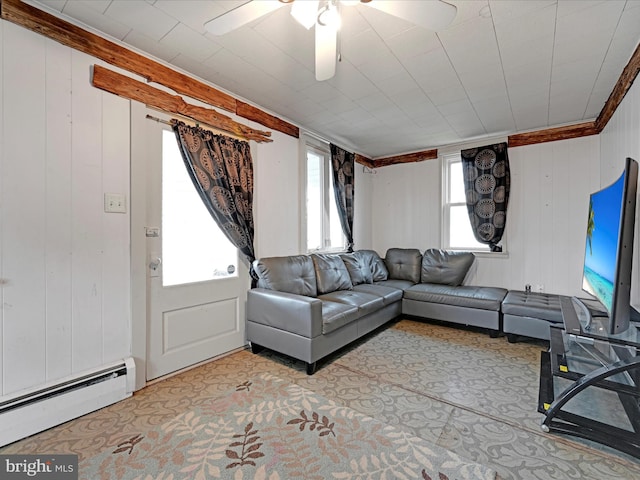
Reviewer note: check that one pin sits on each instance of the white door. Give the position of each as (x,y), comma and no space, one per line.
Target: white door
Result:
(196,284)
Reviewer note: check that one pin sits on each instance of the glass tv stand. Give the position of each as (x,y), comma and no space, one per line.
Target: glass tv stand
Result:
(590,380)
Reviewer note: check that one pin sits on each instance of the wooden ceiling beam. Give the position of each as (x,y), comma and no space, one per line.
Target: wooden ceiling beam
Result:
(406,158)
(362,160)
(628,76)
(263,118)
(623,85)
(127,87)
(552,134)
(70,35)
(79,39)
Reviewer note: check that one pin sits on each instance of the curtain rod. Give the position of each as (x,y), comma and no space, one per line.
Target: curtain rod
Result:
(197,124)
(315,136)
(159,120)
(185,120)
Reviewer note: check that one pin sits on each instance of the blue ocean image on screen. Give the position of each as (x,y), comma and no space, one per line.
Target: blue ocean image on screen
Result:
(598,286)
(601,247)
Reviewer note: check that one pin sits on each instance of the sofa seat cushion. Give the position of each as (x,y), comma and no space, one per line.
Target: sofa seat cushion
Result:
(331,273)
(484,298)
(365,302)
(388,294)
(397,284)
(293,274)
(336,315)
(533,304)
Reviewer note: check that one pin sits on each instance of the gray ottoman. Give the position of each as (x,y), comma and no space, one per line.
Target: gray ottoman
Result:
(530,314)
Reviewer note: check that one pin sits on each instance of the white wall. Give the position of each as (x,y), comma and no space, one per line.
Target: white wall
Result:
(406,206)
(546,221)
(64,263)
(277,196)
(621,139)
(547,217)
(362,215)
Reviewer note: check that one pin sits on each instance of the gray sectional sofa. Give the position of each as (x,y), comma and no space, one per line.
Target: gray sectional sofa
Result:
(308,306)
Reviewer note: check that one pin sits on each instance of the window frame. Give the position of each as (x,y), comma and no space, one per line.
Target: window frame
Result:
(320,148)
(447,160)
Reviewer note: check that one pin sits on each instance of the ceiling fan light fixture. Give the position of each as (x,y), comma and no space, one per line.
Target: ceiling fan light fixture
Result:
(325,15)
(305,12)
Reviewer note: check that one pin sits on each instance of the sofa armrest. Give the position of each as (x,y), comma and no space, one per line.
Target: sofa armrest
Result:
(286,311)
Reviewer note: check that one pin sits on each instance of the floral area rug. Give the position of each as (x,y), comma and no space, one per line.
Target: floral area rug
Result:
(268,428)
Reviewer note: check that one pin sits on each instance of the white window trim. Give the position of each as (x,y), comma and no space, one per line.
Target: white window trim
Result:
(308,142)
(446,159)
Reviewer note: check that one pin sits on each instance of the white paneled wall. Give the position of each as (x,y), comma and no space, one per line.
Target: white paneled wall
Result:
(621,139)
(277,197)
(64,263)
(406,206)
(546,220)
(547,217)
(362,236)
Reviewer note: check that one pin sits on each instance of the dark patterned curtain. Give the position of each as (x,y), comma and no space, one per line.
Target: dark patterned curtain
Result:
(487,181)
(342,163)
(221,169)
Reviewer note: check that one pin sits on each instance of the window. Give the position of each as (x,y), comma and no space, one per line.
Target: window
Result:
(456,227)
(194,249)
(322,230)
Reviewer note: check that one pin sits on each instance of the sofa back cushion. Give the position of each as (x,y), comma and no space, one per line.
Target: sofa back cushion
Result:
(331,273)
(404,264)
(379,270)
(445,267)
(358,267)
(292,274)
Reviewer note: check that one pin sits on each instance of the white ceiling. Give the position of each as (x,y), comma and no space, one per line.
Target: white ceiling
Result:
(503,66)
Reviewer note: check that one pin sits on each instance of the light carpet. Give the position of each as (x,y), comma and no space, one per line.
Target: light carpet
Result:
(455,388)
(268,428)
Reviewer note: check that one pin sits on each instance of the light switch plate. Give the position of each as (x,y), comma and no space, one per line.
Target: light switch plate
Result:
(115,203)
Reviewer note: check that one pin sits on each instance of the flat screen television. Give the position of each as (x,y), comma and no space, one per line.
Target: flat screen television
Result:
(609,247)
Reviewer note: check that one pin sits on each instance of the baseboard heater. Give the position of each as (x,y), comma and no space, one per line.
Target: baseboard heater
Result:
(32,411)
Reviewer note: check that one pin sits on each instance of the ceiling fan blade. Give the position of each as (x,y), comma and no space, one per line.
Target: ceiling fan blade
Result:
(239,16)
(326,52)
(431,14)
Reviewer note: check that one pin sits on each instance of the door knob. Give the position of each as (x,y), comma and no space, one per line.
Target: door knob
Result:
(155,263)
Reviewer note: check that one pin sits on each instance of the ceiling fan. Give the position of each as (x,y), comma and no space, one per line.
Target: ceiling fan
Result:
(325,15)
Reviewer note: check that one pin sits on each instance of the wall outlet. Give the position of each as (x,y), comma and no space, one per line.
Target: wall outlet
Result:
(540,288)
(152,232)
(115,203)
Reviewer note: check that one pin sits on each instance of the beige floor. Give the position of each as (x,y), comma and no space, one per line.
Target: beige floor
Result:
(459,389)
